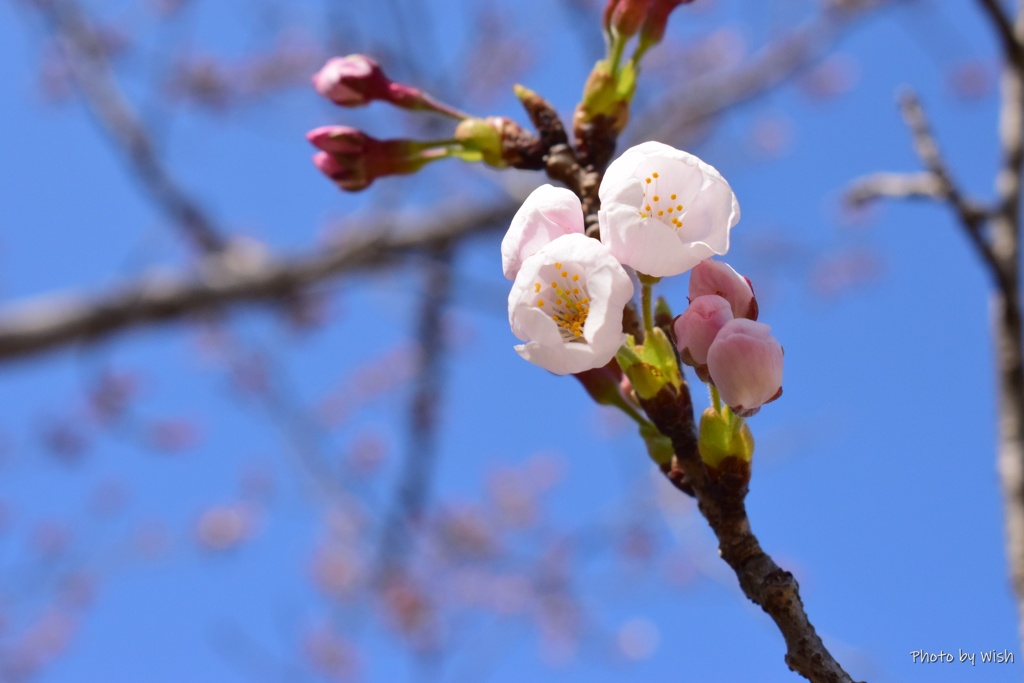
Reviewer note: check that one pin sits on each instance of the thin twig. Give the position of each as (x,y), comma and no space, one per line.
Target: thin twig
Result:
(927,148)
(413,491)
(1004,28)
(46,323)
(995,234)
(894,186)
(774,589)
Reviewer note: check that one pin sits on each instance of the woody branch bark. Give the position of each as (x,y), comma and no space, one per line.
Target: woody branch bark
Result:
(224,280)
(721,502)
(994,233)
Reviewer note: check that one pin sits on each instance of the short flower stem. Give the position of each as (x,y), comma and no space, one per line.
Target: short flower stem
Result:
(615,56)
(645,303)
(431,104)
(716,400)
(646,290)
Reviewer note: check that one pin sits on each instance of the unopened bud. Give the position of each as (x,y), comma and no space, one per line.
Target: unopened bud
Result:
(353,159)
(695,330)
(352,81)
(745,363)
(653,30)
(718,277)
(623,18)
(357,80)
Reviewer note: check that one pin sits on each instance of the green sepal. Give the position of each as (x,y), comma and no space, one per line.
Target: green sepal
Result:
(481,140)
(659,446)
(723,435)
(601,92)
(651,366)
(626,85)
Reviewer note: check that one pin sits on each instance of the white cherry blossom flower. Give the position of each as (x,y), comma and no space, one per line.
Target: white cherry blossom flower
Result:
(548,212)
(663,210)
(566,305)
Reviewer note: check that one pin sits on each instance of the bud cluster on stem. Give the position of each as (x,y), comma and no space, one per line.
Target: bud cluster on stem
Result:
(663,212)
(353,159)
(609,89)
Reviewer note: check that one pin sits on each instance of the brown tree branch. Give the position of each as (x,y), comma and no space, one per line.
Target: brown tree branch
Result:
(721,503)
(1007,325)
(1003,25)
(895,186)
(995,234)
(412,494)
(231,277)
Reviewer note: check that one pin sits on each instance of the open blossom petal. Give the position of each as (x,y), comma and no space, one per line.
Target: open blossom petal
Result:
(663,210)
(745,363)
(716,277)
(548,212)
(566,305)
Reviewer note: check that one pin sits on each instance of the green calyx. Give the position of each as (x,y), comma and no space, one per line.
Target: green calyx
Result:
(724,435)
(481,140)
(650,366)
(659,447)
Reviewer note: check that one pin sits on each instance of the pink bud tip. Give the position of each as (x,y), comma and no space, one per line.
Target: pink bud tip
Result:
(351,81)
(339,139)
(696,328)
(718,277)
(745,363)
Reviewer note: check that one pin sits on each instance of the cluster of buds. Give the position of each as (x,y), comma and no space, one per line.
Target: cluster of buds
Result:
(358,80)
(353,159)
(612,82)
(663,212)
(719,337)
(623,19)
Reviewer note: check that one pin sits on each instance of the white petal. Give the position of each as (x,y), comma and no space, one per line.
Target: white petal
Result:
(547,213)
(604,282)
(638,237)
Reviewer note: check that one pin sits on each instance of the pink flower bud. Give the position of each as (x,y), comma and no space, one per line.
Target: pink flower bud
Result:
(625,17)
(745,363)
(717,277)
(351,81)
(357,80)
(696,328)
(353,159)
(340,139)
(657,19)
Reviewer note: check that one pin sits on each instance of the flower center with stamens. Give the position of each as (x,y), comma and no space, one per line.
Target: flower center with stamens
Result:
(656,204)
(564,298)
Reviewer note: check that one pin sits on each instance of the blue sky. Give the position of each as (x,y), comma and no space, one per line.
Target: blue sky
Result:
(874,475)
